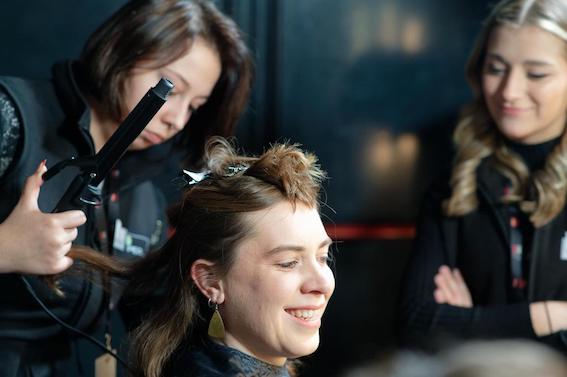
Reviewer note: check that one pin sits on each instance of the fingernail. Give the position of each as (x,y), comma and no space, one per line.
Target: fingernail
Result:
(42,164)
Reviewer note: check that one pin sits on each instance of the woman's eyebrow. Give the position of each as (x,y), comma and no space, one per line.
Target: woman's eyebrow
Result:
(492,55)
(297,248)
(533,62)
(177,76)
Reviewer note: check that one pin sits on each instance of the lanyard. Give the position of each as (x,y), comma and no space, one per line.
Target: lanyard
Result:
(106,214)
(517,273)
(516,250)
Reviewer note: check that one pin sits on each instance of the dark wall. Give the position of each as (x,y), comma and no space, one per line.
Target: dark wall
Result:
(34,34)
(371,86)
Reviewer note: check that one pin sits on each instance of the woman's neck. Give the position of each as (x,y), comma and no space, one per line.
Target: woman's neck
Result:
(233,343)
(101,126)
(534,155)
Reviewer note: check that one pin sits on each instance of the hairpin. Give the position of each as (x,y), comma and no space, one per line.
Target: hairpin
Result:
(189,178)
(235,169)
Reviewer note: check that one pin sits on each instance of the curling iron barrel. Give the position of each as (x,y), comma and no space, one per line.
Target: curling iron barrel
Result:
(130,128)
(84,188)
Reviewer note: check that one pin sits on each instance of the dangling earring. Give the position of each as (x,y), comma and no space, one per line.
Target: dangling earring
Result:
(216,326)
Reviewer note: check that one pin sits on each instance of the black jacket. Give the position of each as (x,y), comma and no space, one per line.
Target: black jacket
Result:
(55,120)
(479,245)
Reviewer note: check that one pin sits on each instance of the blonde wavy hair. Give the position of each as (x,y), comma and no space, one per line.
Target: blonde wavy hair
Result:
(476,137)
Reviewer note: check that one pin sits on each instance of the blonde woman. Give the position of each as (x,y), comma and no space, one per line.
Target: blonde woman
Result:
(491,251)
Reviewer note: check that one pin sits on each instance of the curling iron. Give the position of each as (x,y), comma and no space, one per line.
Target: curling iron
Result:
(85,187)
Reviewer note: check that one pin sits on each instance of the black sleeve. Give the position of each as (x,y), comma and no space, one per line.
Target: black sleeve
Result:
(423,321)
(9,132)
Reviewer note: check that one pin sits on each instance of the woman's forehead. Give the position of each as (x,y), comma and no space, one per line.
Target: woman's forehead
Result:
(281,224)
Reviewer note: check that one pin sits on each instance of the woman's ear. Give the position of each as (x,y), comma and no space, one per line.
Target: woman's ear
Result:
(205,277)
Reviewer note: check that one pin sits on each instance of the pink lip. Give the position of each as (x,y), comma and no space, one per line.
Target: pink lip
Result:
(313,323)
(307,307)
(152,137)
(513,111)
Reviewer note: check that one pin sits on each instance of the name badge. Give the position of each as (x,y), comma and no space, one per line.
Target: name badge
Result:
(105,366)
(563,254)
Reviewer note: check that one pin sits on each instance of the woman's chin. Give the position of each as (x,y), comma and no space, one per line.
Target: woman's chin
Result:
(139,144)
(304,347)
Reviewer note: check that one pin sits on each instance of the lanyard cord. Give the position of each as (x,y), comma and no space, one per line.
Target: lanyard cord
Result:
(105,220)
(517,255)
(105,229)
(516,250)
(69,327)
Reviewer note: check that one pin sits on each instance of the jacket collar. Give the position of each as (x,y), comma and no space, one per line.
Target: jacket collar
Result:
(490,189)
(65,81)
(74,104)
(491,183)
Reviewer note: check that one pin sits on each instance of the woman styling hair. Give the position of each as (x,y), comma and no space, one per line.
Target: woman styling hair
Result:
(189,42)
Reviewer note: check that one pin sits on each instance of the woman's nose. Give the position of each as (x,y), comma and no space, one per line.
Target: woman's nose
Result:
(177,114)
(319,279)
(513,85)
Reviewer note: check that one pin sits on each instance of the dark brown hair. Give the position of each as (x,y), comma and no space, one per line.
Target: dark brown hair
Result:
(161,31)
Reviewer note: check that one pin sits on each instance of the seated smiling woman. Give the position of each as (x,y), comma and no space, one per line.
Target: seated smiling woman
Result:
(245,275)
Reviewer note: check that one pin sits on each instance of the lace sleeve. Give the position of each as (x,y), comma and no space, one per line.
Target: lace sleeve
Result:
(9,132)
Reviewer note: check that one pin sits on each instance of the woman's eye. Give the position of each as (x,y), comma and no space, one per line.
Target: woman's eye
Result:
(536,76)
(325,259)
(494,70)
(288,265)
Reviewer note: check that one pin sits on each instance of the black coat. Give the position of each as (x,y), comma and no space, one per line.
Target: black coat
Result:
(479,245)
(54,122)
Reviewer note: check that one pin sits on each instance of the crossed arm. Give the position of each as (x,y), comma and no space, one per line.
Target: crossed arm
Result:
(547,317)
